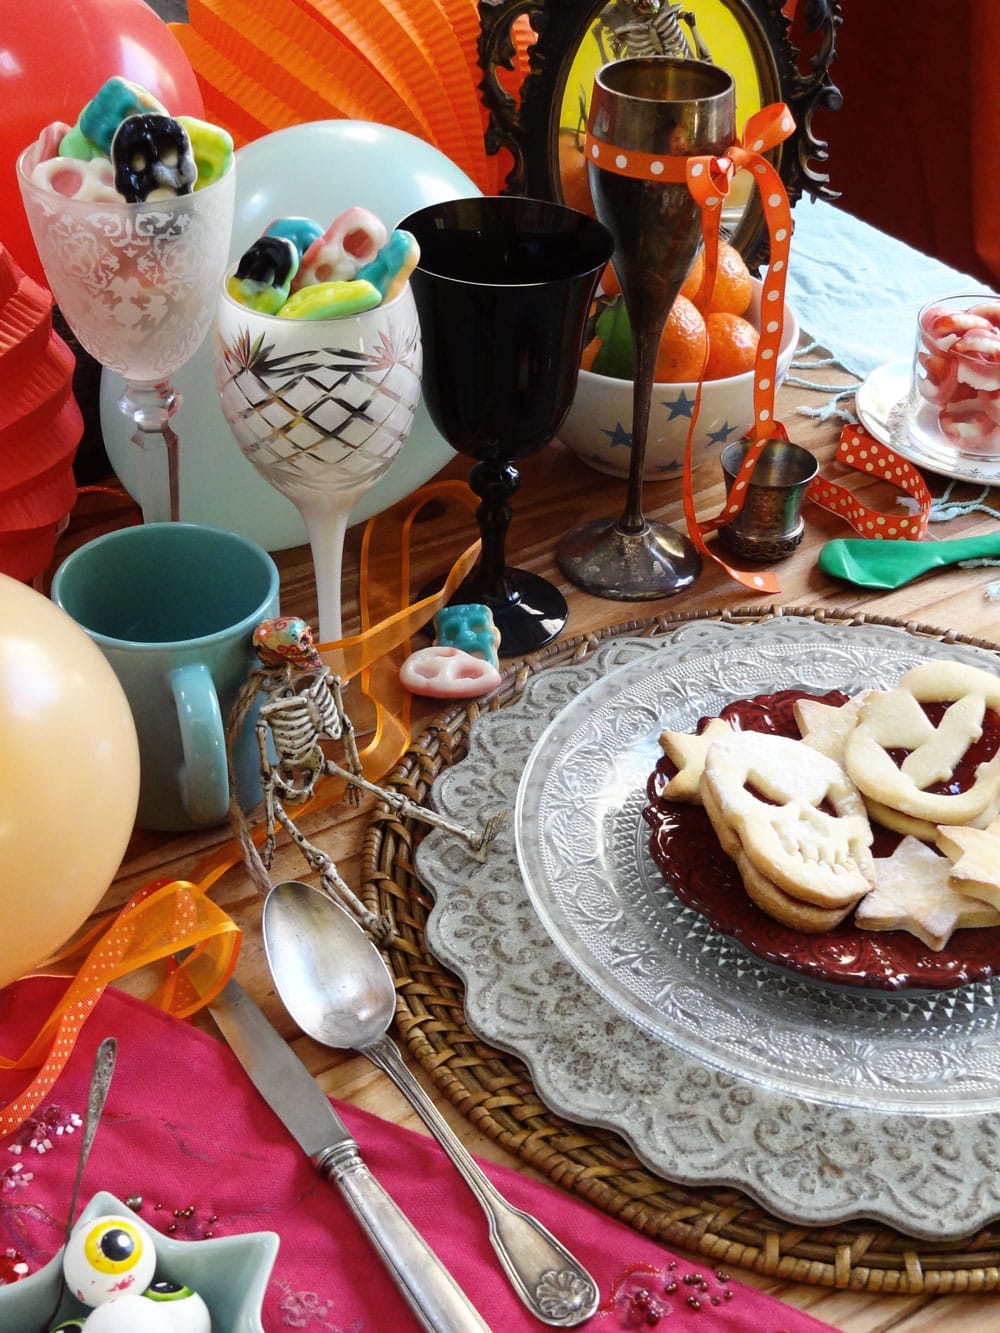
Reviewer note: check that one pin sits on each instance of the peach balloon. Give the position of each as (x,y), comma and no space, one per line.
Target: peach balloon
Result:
(69,781)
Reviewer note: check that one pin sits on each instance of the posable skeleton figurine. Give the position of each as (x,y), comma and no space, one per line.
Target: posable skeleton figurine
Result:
(652,28)
(302,708)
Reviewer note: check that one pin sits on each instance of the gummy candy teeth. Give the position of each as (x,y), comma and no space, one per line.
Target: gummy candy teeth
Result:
(212,148)
(300,231)
(393,264)
(111,104)
(264,274)
(68,176)
(331,300)
(157,156)
(373,267)
(958,373)
(352,239)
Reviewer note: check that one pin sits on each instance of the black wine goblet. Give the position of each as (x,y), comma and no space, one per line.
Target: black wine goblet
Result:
(503,289)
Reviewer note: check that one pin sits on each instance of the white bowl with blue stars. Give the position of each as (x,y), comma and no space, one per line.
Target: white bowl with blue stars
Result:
(598,427)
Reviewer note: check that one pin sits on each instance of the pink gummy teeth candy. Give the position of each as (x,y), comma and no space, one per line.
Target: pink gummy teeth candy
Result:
(957,372)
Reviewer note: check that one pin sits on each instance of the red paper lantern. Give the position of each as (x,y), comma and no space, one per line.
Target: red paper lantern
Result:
(40,425)
(56,54)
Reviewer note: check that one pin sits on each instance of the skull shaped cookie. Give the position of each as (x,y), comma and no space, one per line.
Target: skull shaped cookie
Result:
(797,817)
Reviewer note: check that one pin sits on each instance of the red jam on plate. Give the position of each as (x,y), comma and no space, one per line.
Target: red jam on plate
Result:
(684,846)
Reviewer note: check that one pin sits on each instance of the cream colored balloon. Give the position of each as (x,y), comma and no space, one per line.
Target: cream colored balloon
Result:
(69,777)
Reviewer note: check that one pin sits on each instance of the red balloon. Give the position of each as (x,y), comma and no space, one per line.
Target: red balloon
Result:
(56,54)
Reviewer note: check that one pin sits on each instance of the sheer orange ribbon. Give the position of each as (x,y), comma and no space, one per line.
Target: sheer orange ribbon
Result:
(157,922)
(708,179)
(167,918)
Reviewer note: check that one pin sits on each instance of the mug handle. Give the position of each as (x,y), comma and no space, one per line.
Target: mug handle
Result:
(205,780)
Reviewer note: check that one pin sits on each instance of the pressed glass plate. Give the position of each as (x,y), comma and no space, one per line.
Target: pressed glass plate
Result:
(582,848)
(686,849)
(824,1102)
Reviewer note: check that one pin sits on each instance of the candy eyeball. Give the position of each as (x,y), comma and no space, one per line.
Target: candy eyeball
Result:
(130,1314)
(106,1256)
(74,1325)
(188,1312)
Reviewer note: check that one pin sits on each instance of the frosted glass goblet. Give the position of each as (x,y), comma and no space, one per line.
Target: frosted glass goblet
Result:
(136,283)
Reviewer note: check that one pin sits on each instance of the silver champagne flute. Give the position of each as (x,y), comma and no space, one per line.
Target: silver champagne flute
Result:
(648,109)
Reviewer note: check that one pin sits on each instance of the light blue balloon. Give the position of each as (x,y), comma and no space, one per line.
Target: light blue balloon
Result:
(317,170)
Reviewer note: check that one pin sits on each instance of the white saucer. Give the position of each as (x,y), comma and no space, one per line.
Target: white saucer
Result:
(881,403)
(879,394)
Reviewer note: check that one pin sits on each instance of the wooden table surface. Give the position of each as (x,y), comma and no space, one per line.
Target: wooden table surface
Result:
(557,493)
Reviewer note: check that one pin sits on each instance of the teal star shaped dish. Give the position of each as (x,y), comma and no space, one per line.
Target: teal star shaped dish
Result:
(230,1273)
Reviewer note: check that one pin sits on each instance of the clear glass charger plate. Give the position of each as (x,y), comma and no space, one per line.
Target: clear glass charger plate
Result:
(634,1014)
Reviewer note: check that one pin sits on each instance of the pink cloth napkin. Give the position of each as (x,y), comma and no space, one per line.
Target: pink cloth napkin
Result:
(185,1130)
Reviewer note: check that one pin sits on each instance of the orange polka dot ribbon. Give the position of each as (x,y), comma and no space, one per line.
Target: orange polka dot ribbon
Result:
(708,179)
(862,452)
(163,919)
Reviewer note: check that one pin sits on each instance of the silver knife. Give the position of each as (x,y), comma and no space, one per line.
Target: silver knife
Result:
(300,1103)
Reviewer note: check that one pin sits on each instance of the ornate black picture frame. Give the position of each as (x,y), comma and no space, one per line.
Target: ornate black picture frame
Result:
(527,125)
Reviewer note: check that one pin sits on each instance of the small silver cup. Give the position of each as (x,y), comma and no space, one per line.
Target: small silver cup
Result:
(770,525)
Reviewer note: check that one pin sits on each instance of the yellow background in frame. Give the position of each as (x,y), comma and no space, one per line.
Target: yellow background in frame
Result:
(718,28)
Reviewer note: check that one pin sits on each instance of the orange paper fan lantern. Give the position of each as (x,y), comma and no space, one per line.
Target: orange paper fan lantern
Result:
(40,424)
(298,70)
(409,64)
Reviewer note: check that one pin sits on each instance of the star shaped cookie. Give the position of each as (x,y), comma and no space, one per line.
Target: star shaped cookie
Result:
(688,752)
(826,727)
(912,893)
(974,857)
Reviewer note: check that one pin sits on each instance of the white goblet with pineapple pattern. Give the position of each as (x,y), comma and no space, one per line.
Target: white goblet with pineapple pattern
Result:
(321,408)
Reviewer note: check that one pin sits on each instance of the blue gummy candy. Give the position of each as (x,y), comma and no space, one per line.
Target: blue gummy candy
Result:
(389,262)
(300,231)
(469,627)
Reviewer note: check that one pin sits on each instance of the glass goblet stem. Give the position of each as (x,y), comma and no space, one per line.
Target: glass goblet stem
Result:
(150,407)
(325,518)
(645,346)
(494,481)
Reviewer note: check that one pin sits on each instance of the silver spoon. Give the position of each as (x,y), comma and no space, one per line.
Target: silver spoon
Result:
(333,982)
(97,1095)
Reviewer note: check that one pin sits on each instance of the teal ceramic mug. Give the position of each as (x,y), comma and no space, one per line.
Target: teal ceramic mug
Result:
(173,607)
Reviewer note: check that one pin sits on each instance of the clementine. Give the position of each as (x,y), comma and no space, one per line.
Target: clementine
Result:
(573,174)
(732,288)
(732,345)
(683,345)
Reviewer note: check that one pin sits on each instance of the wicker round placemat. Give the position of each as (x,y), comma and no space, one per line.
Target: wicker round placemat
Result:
(495,1092)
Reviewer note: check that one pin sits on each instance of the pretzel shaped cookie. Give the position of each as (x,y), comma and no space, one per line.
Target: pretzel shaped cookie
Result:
(893,720)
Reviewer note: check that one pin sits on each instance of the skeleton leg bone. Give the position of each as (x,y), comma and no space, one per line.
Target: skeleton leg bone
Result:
(478,840)
(380,928)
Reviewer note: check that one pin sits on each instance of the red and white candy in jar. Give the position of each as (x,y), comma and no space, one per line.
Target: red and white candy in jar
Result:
(955,398)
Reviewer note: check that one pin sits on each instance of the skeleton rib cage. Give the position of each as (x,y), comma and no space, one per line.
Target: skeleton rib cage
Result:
(301,712)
